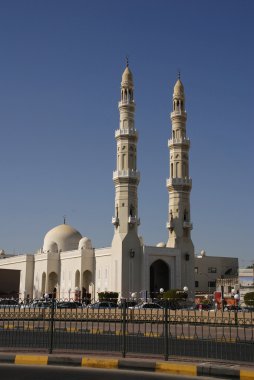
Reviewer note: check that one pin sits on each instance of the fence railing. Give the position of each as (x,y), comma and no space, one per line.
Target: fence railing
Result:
(193,333)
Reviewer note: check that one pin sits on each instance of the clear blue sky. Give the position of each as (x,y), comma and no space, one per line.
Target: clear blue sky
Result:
(60,70)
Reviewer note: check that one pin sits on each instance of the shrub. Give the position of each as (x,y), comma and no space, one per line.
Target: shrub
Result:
(249,299)
(108,296)
(175,294)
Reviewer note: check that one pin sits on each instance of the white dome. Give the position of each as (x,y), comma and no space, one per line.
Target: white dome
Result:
(161,244)
(85,243)
(61,238)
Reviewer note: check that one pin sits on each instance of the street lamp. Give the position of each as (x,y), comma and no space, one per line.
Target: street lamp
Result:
(236,298)
(77,293)
(69,291)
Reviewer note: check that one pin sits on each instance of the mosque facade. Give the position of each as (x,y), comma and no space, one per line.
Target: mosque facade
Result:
(68,262)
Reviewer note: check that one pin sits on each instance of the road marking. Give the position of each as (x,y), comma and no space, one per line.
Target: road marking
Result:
(33,360)
(99,363)
(179,368)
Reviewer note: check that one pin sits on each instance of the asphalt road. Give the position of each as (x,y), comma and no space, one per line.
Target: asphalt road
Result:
(133,343)
(23,372)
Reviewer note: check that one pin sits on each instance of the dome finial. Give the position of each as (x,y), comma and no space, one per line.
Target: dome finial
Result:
(127,61)
(64,219)
(179,74)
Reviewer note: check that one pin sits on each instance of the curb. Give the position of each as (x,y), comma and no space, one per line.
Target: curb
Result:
(179,368)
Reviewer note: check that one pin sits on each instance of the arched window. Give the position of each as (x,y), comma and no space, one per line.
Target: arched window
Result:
(172,172)
(123,161)
(77,279)
(43,283)
(177,170)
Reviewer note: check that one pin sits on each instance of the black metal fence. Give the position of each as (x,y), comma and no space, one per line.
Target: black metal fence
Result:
(164,332)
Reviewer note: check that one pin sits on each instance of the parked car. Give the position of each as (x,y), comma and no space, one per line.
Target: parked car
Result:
(68,305)
(102,305)
(146,305)
(232,308)
(204,306)
(8,303)
(40,304)
(127,303)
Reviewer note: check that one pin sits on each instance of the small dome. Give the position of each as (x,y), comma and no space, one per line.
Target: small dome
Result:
(127,78)
(61,238)
(85,243)
(179,89)
(161,244)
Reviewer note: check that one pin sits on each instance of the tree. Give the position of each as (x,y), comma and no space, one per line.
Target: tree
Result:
(249,299)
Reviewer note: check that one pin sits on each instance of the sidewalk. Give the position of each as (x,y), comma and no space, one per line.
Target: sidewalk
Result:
(181,367)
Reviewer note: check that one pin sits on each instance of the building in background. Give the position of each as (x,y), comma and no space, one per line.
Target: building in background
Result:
(215,273)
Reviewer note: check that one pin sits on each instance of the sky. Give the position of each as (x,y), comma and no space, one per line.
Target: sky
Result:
(60,71)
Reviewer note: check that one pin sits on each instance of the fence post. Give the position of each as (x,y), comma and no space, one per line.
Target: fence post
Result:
(166,332)
(124,329)
(52,326)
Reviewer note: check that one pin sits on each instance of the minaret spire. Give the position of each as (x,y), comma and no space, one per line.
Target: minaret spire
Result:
(179,183)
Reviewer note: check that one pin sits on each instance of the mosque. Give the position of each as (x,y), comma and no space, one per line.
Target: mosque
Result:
(68,262)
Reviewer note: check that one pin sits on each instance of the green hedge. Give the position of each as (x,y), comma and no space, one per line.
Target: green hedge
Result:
(108,296)
(175,294)
(249,299)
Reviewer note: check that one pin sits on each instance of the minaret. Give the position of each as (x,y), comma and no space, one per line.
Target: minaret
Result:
(179,187)
(126,176)
(126,261)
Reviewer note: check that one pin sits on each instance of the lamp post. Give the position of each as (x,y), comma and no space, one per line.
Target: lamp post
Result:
(236,298)
(77,294)
(134,296)
(69,291)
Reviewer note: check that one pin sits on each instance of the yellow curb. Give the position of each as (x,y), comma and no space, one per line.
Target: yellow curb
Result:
(151,334)
(99,363)
(181,369)
(95,331)
(71,329)
(33,360)
(246,375)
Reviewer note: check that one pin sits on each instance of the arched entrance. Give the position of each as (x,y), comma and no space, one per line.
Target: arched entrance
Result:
(159,276)
(52,283)
(87,286)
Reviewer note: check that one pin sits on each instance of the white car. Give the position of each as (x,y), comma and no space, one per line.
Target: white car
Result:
(146,305)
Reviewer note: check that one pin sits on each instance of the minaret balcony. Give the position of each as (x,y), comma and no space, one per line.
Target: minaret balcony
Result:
(126,174)
(126,103)
(179,141)
(170,225)
(126,132)
(179,182)
(115,221)
(133,220)
(187,225)
(178,113)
